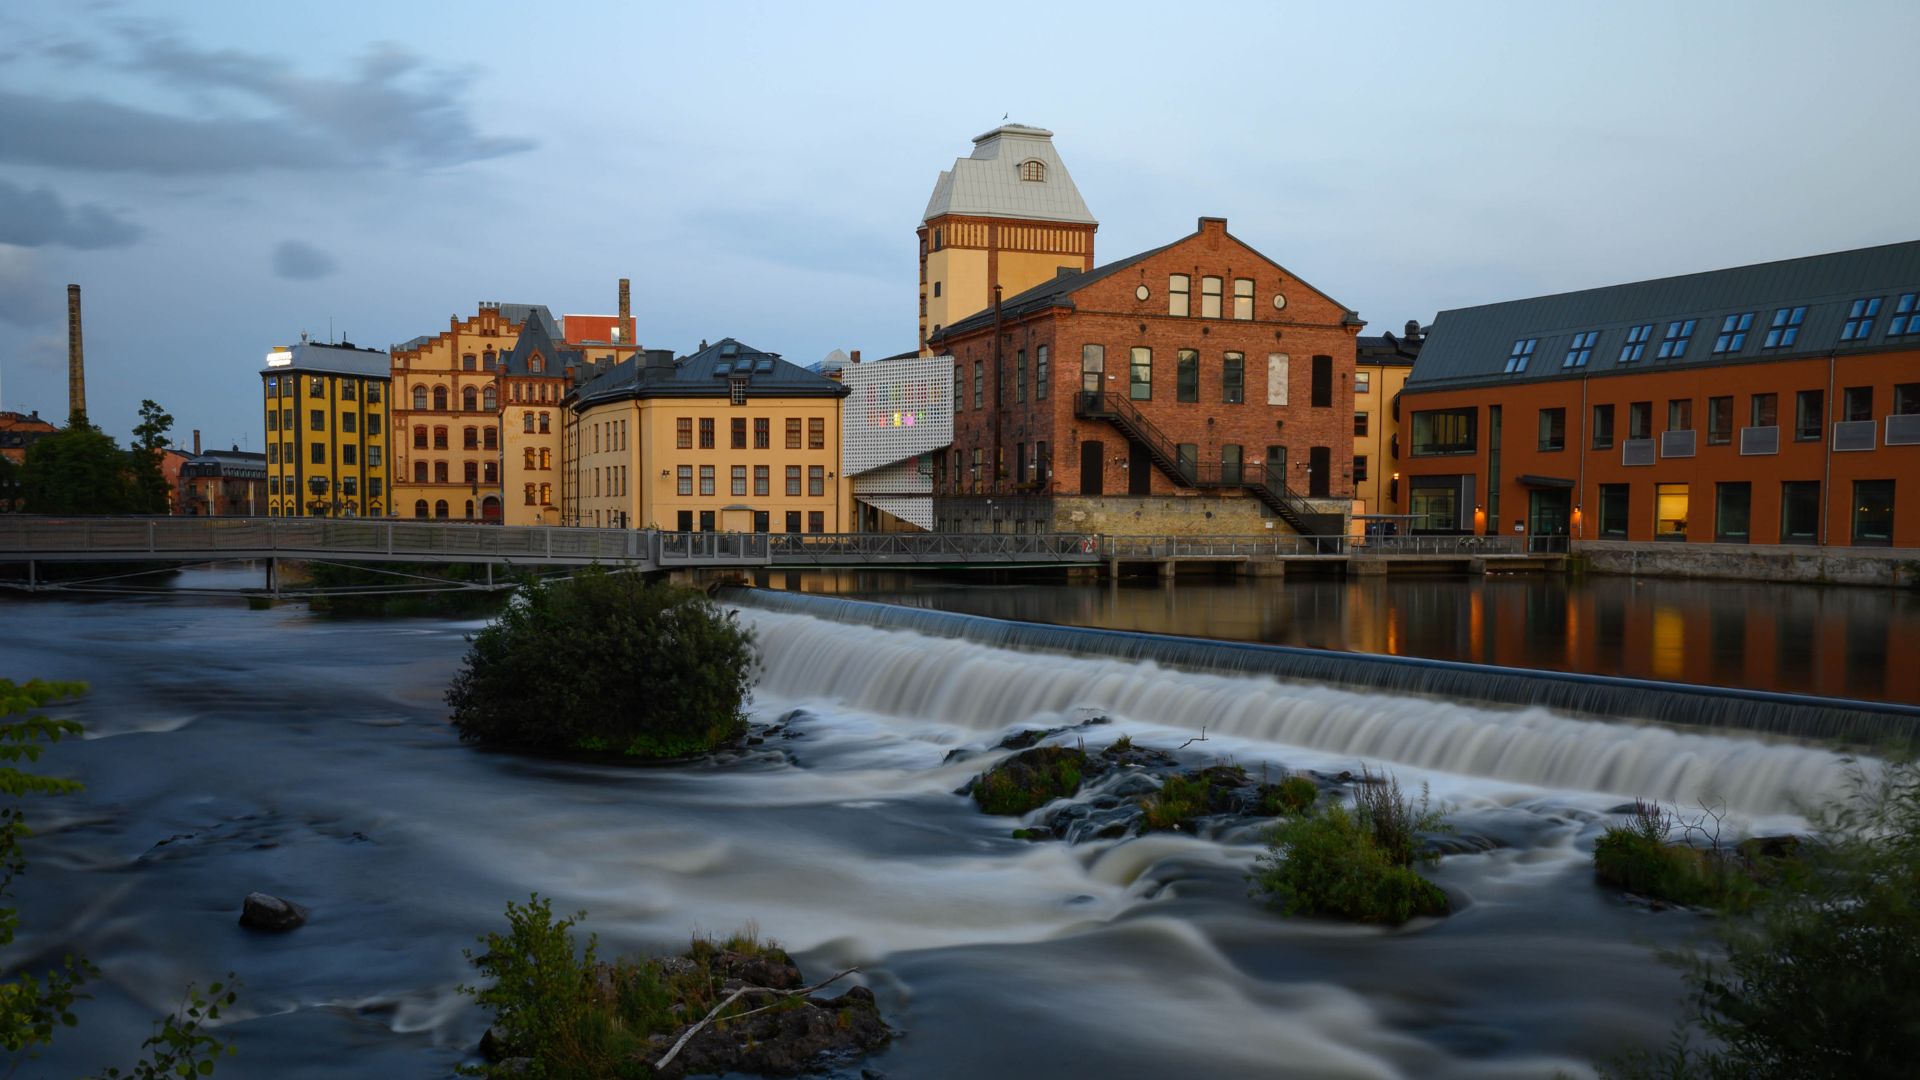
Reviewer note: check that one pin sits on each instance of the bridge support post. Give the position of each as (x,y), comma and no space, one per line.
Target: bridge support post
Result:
(1262,566)
(489,575)
(33,576)
(1168,569)
(273,577)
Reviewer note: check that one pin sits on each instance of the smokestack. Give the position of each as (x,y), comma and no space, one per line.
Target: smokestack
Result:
(196,442)
(855,356)
(626,313)
(76,360)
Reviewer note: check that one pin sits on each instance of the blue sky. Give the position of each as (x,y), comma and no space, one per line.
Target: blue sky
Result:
(221,176)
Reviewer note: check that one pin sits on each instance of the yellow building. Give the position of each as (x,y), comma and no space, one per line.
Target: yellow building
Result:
(730,439)
(533,382)
(1380,370)
(446,408)
(1009,215)
(326,411)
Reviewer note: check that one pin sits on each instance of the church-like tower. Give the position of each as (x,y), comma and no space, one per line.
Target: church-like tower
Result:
(1008,215)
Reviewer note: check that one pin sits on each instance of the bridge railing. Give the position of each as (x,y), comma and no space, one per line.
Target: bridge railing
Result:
(882,548)
(311,536)
(710,548)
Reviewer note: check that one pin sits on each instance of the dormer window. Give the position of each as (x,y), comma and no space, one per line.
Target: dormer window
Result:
(536,363)
(1033,169)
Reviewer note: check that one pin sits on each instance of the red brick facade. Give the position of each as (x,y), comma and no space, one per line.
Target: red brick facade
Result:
(1033,446)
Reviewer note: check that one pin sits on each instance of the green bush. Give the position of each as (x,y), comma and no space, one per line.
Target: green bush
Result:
(1294,795)
(1394,820)
(1030,779)
(606,663)
(1328,863)
(1639,858)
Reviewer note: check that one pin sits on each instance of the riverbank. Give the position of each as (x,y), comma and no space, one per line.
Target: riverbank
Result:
(1894,568)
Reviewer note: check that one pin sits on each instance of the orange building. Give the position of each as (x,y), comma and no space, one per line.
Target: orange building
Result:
(1774,403)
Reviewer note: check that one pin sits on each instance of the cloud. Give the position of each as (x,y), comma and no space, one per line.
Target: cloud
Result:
(39,217)
(298,261)
(28,294)
(251,112)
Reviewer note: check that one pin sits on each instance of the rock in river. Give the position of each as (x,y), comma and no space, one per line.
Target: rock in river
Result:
(263,911)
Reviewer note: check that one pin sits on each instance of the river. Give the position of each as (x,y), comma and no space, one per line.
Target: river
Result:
(230,750)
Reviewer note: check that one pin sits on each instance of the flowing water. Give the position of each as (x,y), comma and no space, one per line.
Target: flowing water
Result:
(230,750)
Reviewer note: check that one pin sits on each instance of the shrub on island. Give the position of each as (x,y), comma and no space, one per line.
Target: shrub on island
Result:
(1030,779)
(606,663)
(1355,864)
(1639,857)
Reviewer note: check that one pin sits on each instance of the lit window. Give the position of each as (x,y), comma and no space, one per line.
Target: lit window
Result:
(1860,319)
(1785,329)
(1679,333)
(1733,334)
(1580,349)
(1362,382)
(1906,316)
(1636,345)
(1209,297)
(1243,298)
(1179,296)
(1522,352)
(1033,170)
(1140,380)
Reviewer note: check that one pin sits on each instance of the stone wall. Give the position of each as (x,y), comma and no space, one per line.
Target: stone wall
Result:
(1896,567)
(1116,515)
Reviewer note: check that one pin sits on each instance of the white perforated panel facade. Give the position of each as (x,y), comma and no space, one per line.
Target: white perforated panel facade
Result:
(898,410)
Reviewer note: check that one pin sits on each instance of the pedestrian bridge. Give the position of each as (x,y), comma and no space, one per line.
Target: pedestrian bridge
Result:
(34,540)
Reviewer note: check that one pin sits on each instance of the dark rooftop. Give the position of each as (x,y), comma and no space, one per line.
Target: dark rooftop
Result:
(707,373)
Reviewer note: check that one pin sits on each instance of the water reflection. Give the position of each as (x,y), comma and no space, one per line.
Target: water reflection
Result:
(1835,641)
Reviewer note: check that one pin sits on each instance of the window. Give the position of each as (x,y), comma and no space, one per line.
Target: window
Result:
(1906,316)
(1580,349)
(530,459)
(1799,511)
(1322,382)
(1674,345)
(1785,328)
(439,472)
(1233,378)
(490,472)
(1040,373)
(373,424)
(373,458)
(1680,414)
(684,480)
(1020,376)
(273,453)
(319,454)
(545,419)
(1856,403)
(1187,376)
(317,387)
(816,433)
(1243,298)
(469,397)
(973,472)
(1614,504)
(706,479)
(1636,343)
(1553,429)
(1359,468)
(470,472)
(1030,169)
(440,399)
(737,391)
(470,438)
(739,432)
(739,479)
(546,494)
(1444,431)
(1809,415)
(1733,334)
(1209,297)
(793,521)
(979,384)
(440,509)
(316,419)
(420,397)
(1360,425)
(762,480)
(1719,421)
(348,391)
(467,362)
(273,416)
(1732,510)
(1179,300)
(419,472)
(546,458)
(1670,512)
(816,521)
(936,288)
(1140,375)
(526,423)
(816,479)
(1093,365)
(793,480)
(793,433)
(1765,410)
(1363,382)
(1859,322)
(1873,512)
(1518,356)
(1603,427)
(959,388)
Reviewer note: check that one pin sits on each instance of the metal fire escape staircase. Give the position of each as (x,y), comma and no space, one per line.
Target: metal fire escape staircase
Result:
(1266,484)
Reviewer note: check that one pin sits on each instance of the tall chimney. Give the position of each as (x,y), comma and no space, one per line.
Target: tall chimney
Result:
(626,313)
(196,442)
(76,360)
(854,357)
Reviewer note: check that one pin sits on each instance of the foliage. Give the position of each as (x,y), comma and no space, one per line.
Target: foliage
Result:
(147,483)
(1181,799)
(150,434)
(1639,857)
(1395,820)
(1120,745)
(1030,779)
(179,1047)
(1822,980)
(606,663)
(1294,795)
(542,986)
(1329,863)
(398,576)
(81,470)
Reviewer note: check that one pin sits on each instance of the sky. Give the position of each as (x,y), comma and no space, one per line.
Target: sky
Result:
(220,177)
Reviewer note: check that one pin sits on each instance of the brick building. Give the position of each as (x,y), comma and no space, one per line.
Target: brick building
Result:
(1774,403)
(1196,387)
(222,483)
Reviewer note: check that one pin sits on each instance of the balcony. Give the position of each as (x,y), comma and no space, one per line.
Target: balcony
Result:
(1759,440)
(1678,444)
(1853,435)
(1637,452)
(1903,430)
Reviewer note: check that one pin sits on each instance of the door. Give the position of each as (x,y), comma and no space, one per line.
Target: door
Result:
(1093,463)
(1276,467)
(1319,472)
(793,521)
(1548,514)
(1139,468)
(760,521)
(684,522)
(706,521)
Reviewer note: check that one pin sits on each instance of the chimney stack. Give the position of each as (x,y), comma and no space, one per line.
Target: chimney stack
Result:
(626,312)
(196,442)
(854,357)
(76,360)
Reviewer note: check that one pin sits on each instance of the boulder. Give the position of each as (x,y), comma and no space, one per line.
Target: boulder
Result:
(263,911)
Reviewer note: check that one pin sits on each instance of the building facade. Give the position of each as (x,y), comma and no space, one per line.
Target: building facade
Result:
(1770,404)
(1198,387)
(446,406)
(533,383)
(730,438)
(897,418)
(326,413)
(223,483)
(1381,367)
(1007,217)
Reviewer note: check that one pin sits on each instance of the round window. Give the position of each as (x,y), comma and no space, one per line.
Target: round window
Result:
(1142,292)
(1279,301)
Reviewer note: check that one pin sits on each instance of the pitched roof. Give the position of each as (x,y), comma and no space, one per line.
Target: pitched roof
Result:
(988,182)
(535,337)
(527,314)
(706,373)
(1469,346)
(1055,292)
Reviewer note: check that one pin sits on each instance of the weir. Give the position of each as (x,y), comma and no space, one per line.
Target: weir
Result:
(1880,725)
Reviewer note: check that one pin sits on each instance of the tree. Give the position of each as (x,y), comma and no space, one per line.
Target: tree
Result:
(149,490)
(80,470)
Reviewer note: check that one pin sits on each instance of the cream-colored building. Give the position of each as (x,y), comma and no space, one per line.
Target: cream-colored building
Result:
(730,439)
(1008,215)
(446,415)
(1380,371)
(533,383)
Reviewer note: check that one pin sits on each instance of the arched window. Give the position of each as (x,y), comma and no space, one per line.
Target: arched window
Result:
(420,506)
(536,363)
(420,397)
(440,509)
(469,398)
(526,422)
(487,360)
(532,495)
(1033,169)
(420,475)
(546,459)
(491,399)
(543,423)
(530,457)
(440,399)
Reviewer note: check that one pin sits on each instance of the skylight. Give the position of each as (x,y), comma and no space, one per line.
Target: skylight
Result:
(1785,329)
(1580,349)
(1522,352)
